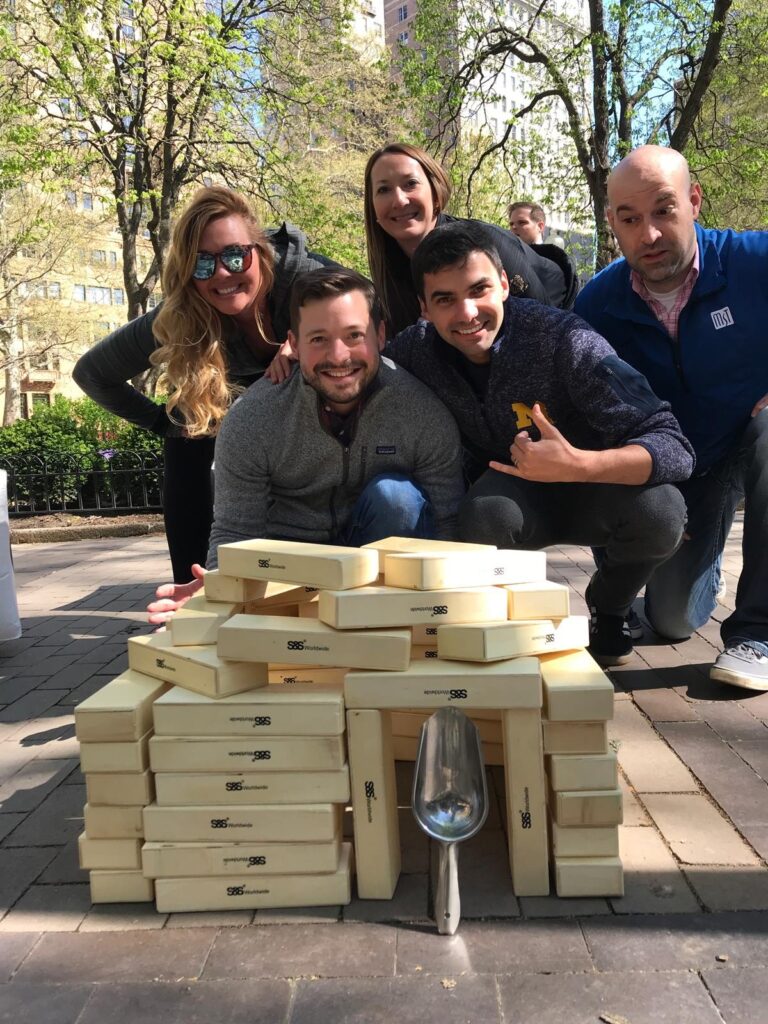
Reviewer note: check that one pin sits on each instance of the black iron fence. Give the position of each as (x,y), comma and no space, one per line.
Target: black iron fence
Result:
(105,482)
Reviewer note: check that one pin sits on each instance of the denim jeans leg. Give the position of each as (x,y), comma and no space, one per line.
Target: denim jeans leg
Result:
(389,506)
(749,621)
(682,592)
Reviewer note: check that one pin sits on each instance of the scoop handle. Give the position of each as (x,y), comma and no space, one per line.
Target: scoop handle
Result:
(447,901)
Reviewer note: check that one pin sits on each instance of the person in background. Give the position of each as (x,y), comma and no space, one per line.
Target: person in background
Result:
(688,306)
(226,287)
(527,221)
(406,194)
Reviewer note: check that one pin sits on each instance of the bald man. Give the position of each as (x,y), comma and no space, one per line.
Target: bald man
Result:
(688,308)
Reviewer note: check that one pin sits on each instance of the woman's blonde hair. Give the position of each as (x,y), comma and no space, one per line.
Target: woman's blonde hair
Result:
(188,329)
(383,250)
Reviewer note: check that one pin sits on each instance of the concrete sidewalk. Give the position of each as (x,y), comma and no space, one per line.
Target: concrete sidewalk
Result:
(687,944)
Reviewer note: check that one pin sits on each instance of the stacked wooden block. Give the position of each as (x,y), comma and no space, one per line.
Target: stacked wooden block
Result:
(114,727)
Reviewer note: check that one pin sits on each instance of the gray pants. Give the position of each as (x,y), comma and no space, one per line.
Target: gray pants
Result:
(639,527)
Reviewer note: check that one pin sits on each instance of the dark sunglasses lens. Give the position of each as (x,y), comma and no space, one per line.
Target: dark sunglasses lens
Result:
(204,267)
(236,258)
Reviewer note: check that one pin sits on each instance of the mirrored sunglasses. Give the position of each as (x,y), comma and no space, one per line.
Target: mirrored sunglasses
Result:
(234,258)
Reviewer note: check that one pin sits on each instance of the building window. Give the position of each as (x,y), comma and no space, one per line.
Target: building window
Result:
(113,259)
(87,201)
(402,12)
(31,401)
(118,297)
(54,290)
(402,37)
(71,198)
(153,301)
(98,256)
(97,295)
(78,292)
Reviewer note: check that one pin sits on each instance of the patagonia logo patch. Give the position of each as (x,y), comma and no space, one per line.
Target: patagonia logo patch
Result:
(722,318)
(386,449)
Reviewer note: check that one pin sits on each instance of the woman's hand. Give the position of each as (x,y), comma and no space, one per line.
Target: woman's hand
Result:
(281,367)
(172,596)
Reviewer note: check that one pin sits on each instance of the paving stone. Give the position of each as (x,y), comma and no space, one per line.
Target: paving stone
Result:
(653,882)
(298,915)
(554,906)
(42,1004)
(87,689)
(633,811)
(29,787)
(58,819)
(757,837)
(494,948)
(18,686)
(405,1000)
(741,993)
(674,998)
(757,705)
(730,888)
(292,951)
(755,753)
(8,822)
(414,845)
(664,705)
(741,794)
(12,758)
(48,908)
(243,1002)
(122,917)
(696,831)
(409,903)
(731,721)
(13,949)
(118,956)
(645,758)
(18,869)
(485,884)
(53,737)
(31,705)
(211,919)
(64,869)
(677,942)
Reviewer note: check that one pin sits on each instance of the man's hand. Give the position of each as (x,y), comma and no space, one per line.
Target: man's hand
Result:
(550,460)
(281,367)
(172,596)
(760,405)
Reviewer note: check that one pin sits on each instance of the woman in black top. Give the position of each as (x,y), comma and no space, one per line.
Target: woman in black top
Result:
(226,286)
(406,193)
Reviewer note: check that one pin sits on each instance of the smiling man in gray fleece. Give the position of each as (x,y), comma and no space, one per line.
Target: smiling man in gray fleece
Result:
(348,450)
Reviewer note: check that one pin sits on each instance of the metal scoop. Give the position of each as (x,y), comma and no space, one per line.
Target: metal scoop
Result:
(450,800)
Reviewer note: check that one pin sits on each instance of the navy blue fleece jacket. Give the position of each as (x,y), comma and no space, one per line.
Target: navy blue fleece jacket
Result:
(544,355)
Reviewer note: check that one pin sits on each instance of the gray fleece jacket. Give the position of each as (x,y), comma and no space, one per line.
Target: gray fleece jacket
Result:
(280,473)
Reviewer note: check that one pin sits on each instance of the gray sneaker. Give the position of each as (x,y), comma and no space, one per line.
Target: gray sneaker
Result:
(742,663)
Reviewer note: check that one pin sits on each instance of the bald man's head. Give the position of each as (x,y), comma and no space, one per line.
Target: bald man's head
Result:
(652,209)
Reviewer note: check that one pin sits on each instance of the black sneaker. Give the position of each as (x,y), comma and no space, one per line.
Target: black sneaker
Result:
(609,639)
(634,625)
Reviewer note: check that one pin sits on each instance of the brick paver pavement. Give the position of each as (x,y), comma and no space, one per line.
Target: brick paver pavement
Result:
(687,942)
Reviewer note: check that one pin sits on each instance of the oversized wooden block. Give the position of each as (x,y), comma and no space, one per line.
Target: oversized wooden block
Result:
(309,710)
(219,587)
(587,808)
(197,623)
(417,545)
(575,737)
(308,610)
(381,607)
(195,668)
(193,789)
(104,822)
(409,723)
(424,634)
(494,641)
(374,804)
(108,854)
(119,712)
(405,748)
(307,641)
(575,688)
(300,675)
(115,757)
(251,753)
(120,789)
(311,565)
(585,842)
(265,823)
(183,860)
(435,684)
(589,876)
(526,802)
(229,893)
(121,887)
(439,570)
(583,771)
(423,653)
(542,600)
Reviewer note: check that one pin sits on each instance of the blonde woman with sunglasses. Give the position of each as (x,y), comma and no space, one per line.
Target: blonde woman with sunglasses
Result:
(226,287)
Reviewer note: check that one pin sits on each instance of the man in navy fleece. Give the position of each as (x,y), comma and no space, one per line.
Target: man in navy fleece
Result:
(572,444)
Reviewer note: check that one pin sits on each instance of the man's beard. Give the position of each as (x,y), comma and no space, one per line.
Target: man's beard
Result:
(344,394)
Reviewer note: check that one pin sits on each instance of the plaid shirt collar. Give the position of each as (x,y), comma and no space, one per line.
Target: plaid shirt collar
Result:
(668,318)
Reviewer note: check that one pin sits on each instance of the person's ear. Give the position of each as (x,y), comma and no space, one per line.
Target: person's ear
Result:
(504,285)
(610,217)
(423,307)
(293,341)
(696,198)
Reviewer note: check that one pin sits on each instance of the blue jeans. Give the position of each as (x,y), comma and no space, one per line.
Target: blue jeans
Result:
(681,594)
(389,506)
